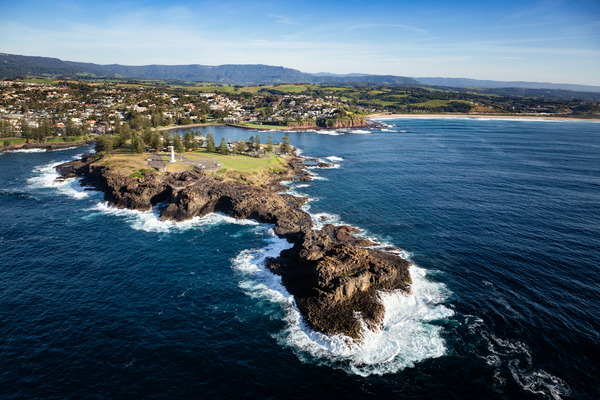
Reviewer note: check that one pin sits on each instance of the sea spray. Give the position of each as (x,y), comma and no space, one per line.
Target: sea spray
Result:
(406,337)
(149,221)
(45,176)
(24,151)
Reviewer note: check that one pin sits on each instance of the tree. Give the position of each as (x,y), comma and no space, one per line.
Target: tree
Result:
(286,148)
(240,147)
(166,139)
(137,144)
(123,137)
(223,146)
(147,135)
(218,114)
(270,140)
(251,143)
(43,131)
(155,141)
(210,147)
(104,143)
(70,128)
(257,142)
(178,145)
(187,140)
(117,127)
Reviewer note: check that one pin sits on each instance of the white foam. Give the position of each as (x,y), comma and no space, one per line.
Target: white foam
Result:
(331,165)
(481,118)
(406,337)
(66,148)
(360,131)
(322,219)
(258,282)
(46,178)
(304,185)
(315,177)
(294,192)
(332,133)
(335,159)
(26,151)
(516,355)
(148,221)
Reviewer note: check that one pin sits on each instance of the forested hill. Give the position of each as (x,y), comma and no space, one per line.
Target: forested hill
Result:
(13,65)
(487,84)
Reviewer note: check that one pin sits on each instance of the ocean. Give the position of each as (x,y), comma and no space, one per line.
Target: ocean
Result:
(500,217)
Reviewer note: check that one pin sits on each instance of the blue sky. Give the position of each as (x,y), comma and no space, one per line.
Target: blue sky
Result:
(544,41)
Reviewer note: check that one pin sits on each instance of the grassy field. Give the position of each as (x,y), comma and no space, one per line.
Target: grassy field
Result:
(69,138)
(47,81)
(289,88)
(437,103)
(12,140)
(176,167)
(377,102)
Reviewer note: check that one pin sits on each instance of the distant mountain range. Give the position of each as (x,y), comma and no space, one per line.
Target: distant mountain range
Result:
(12,66)
(486,84)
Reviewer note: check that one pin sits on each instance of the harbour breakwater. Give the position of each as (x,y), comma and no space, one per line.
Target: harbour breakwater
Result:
(334,275)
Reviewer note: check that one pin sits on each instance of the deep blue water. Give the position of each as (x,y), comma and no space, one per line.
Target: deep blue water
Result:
(501,219)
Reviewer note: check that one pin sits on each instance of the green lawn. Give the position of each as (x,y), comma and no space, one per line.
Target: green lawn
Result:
(237,163)
(12,140)
(437,103)
(69,138)
(381,102)
(288,88)
(41,80)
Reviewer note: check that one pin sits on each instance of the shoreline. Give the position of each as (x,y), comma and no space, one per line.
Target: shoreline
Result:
(170,128)
(46,146)
(381,116)
(267,128)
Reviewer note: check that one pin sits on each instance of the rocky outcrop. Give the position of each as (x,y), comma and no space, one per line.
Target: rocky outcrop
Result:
(348,121)
(46,146)
(334,278)
(333,274)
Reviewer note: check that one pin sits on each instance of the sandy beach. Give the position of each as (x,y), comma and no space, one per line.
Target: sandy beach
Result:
(382,116)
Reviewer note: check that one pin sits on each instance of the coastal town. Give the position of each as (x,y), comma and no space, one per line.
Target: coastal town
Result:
(74,109)
(40,108)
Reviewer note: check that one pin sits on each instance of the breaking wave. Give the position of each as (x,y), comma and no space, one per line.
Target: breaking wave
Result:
(407,336)
(46,175)
(25,151)
(149,221)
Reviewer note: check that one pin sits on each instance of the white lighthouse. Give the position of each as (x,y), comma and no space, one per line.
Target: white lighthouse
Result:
(172,153)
